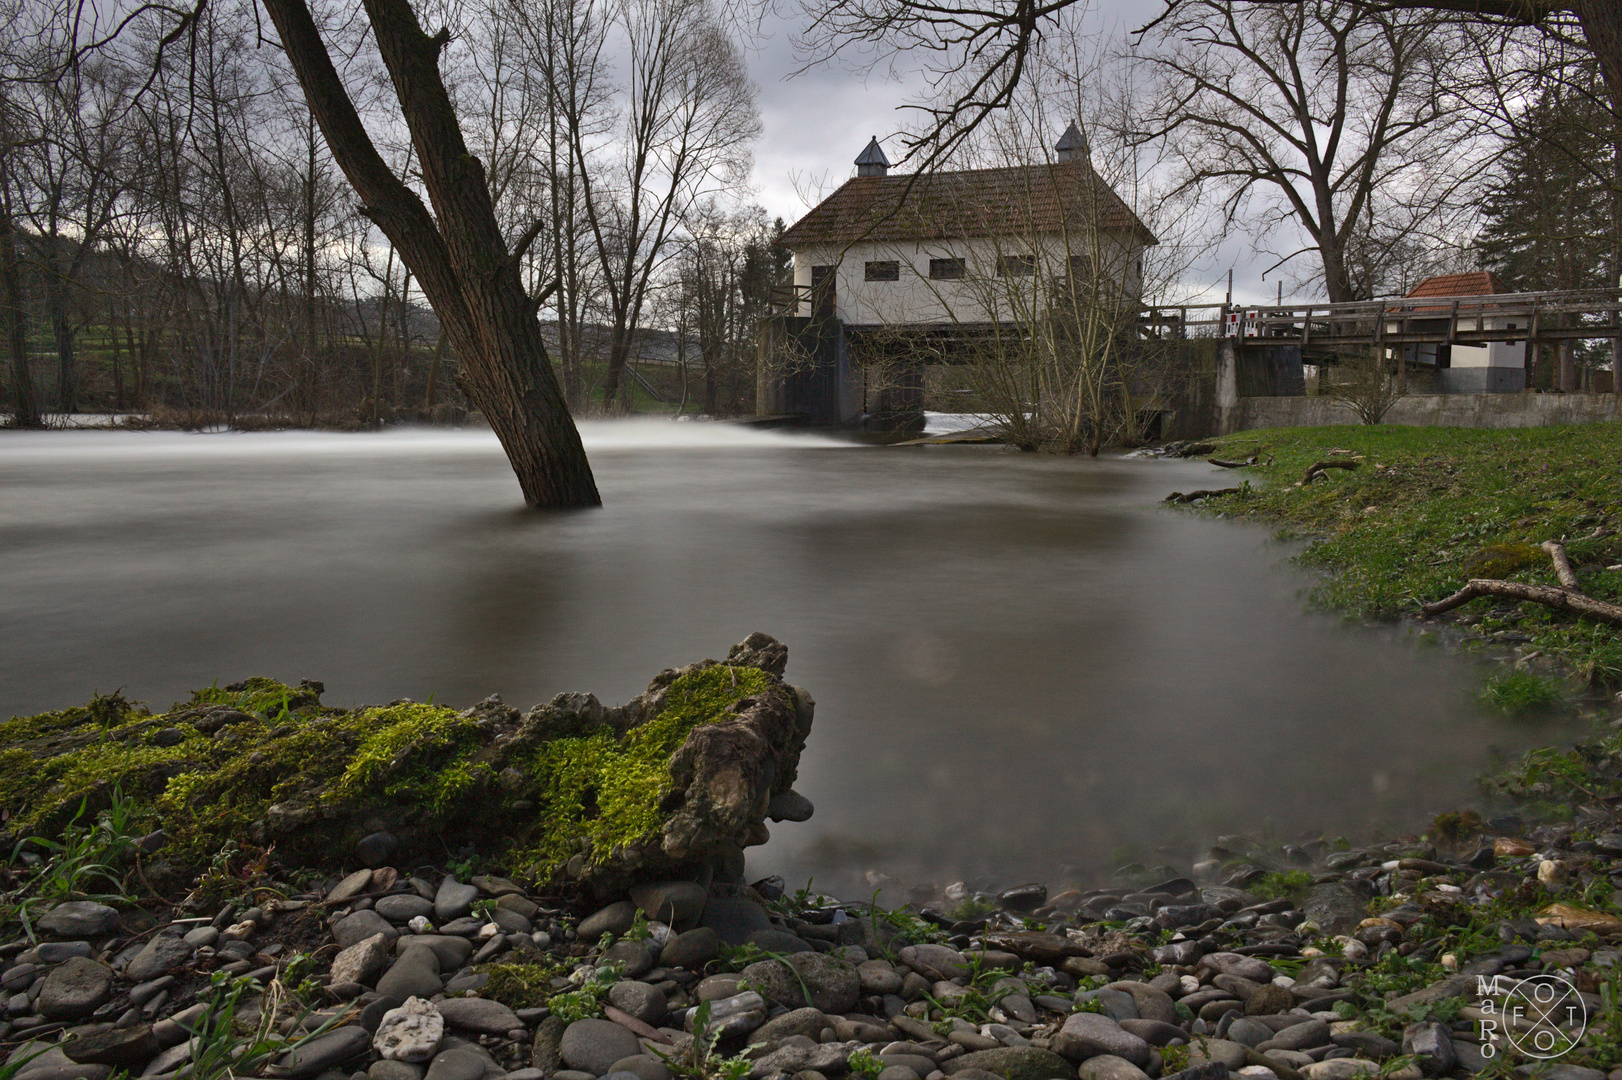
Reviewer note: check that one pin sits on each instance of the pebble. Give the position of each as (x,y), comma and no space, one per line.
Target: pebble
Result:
(593,1046)
(80,919)
(74,989)
(335,1047)
(410,1033)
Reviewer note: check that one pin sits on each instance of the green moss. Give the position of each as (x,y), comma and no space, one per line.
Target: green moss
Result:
(411,751)
(520,986)
(285,758)
(258,695)
(1290,883)
(601,792)
(1501,560)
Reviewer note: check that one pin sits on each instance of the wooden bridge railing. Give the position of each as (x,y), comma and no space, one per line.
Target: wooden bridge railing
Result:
(1460,320)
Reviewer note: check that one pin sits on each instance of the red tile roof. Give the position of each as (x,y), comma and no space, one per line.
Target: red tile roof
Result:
(1481,283)
(1022,200)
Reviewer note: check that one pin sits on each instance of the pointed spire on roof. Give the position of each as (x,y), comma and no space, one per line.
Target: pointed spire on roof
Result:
(871,161)
(1072,145)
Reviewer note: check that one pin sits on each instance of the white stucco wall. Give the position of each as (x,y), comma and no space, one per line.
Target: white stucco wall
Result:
(1497,354)
(980,296)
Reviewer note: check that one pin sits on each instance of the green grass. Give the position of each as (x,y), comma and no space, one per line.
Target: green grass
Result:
(1429,508)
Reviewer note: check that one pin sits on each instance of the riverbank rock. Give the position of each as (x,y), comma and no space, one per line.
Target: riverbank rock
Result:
(677,780)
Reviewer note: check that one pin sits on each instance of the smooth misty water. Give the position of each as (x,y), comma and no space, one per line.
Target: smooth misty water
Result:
(1021,663)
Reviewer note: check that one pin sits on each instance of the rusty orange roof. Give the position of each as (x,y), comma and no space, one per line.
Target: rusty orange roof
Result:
(1481,283)
(1020,200)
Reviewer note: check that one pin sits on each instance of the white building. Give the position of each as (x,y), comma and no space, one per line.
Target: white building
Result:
(946,254)
(1498,367)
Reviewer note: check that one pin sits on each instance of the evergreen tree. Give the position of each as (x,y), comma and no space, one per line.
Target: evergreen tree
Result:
(1549,215)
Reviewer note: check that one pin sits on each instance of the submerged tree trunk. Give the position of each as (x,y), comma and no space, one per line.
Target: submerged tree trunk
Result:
(461,262)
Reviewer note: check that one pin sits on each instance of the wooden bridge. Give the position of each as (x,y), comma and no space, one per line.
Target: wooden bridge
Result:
(1538,317)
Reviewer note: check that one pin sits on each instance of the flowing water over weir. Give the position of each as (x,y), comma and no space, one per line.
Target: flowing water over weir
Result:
(1022,664)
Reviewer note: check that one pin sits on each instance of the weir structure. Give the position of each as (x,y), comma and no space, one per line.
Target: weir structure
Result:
(1461,359)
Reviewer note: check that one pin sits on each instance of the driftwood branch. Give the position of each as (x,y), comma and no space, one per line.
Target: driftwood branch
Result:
(1188,497)
(1564,597)
(1251,460)
(1318,469)
(1562,565)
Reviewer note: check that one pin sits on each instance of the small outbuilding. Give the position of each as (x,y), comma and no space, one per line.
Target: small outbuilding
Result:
(1497,367)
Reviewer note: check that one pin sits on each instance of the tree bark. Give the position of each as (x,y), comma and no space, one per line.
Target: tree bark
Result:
(25,403)
(462,262)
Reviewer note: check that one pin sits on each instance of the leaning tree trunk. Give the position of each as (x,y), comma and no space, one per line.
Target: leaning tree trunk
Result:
(461,261)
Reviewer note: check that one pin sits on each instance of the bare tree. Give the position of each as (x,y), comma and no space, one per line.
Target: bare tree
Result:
(978,51)
(457,253)
(686,132)
(1349,123)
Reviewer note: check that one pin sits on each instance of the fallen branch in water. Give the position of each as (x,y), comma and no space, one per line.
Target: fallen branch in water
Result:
(1321,468)
(1564,597)
(1180,497)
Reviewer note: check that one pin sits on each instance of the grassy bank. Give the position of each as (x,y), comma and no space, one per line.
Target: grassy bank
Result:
(1426,509)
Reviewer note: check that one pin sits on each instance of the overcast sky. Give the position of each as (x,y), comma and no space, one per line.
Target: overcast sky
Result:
(815,123)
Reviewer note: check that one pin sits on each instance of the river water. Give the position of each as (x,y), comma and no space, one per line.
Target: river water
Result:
(1024,667)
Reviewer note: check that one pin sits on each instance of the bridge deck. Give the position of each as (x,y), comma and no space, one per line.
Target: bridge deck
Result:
(1456,320)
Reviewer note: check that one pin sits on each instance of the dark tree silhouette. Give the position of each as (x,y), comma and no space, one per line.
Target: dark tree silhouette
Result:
(456,253)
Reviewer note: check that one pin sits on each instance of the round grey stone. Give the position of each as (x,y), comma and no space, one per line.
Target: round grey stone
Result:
(162,954)
(734,919)
(374,849)
(456,1064)
(615,919)
(594,1046)
(415,974)
(74,989)
(638,999)
(453,900)
(675,903)
(384,1069)
(54,952)
(325,1051)
(1110,1067)
(806,1021)
(360,925)
(1086,1035)
(643,1066)
(691,949)
(402,907)
(1249,1032)
(833,984)
(479,1014)
(635,955)
(1014,1063)
(79,919)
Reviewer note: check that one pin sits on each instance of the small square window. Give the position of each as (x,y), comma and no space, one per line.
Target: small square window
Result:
(885,270)
(948,269)
(1016,265)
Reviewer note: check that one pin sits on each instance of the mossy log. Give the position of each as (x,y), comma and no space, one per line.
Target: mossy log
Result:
(571,792)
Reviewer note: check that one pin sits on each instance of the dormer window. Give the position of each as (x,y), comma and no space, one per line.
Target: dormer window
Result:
(883,270)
